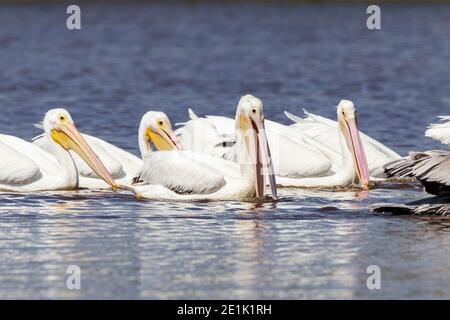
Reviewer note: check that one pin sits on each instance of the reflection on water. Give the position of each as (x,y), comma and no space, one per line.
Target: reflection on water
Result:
(310,244)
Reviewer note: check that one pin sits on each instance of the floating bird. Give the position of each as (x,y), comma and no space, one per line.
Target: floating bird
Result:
(188,175)
(26,167)
(297,156)
(431,169)
(122,165)
(354,167)
(323,130)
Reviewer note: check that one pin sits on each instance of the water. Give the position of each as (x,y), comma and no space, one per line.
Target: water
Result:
(128,59)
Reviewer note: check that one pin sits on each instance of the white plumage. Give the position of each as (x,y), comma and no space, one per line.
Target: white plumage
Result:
(440,131)
(190,176)
(15,167)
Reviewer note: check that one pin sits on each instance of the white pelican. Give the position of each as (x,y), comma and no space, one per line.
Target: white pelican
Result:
(354,162)
(323,130)
(187,175)
(25,167)
(122,165)
(296,155)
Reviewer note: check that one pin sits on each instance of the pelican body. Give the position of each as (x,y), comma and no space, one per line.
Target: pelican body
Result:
(26,167)
(188,175)
(355,168)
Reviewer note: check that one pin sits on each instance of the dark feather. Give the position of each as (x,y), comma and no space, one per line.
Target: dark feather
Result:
(431,168)
(429,206)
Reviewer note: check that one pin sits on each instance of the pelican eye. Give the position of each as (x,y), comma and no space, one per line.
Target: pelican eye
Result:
(62,118)
(253,110)
(160,123)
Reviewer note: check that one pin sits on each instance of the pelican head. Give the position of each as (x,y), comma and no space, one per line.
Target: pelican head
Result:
(348,125)
(250,123)
(58,124)
(157,130)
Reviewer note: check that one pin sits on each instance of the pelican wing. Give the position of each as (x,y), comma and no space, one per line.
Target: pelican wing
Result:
(431,168)
(224,125)
(16,168)
(181,172)
(440,131)
(324,131)
(46,161)
(201,135)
